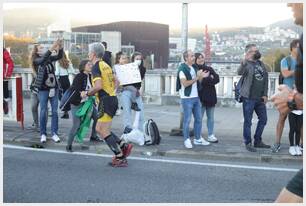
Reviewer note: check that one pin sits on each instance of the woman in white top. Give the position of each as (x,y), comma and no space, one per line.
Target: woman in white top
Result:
(63,69)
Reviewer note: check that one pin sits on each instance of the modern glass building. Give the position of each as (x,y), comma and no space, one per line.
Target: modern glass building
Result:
(80,40)
(149,38)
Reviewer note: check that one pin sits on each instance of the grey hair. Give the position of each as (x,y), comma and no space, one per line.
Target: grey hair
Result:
(185,54)
(97,48)
(248,47)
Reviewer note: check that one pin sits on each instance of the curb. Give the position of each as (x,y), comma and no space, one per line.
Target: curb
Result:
(153,151)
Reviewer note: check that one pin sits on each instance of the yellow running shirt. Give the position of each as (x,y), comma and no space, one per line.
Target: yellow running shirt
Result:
(104,72)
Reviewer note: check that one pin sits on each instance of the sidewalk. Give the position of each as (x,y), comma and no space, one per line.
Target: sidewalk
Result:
(228,129)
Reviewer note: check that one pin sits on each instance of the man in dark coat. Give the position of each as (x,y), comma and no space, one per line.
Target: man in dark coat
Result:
(107,57)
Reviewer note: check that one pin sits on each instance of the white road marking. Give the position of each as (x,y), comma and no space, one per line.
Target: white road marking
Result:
(158,160)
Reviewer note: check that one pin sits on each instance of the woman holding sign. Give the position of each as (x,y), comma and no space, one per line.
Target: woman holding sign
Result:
(122,59)
(131,92)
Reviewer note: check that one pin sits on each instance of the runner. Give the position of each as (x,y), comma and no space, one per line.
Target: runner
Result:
(104,89)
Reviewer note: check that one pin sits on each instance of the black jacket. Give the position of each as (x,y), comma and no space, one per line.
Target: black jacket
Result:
(107,57)
(79,84)
(207,90)
(299,68)
(41,65)
(247,69)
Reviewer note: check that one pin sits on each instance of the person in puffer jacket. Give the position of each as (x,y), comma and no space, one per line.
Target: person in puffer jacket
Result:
(47,86)
(8,67)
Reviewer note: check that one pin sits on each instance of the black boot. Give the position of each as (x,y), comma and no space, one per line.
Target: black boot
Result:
(69,148)
(5,107)
(96,139)
(65,116)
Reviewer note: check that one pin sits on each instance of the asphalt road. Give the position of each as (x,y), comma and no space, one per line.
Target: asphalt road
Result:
(54,177)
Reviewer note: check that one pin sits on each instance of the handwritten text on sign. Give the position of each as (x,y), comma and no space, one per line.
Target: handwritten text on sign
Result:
(128,73)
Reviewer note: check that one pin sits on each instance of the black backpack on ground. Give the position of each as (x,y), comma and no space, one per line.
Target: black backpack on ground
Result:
(151,133)
(281,77)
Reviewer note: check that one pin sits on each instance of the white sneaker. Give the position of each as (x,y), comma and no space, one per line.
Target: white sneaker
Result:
(118,112)
(298,151)
(43,138)
(56,138)
(292,150)
(200,141)
(188,144)
(212,139)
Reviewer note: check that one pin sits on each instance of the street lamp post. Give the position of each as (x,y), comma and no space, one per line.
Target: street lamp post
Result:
(184,40)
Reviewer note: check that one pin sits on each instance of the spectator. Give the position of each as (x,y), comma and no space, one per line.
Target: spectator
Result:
(186,84)
(8,67)
(104,88)
(207,94)
(34,91)
(127,97)
(121,59)
(296,123)
(81,82)
(254,91)
(64,68)
(47,86)
(287,100)
(107,57)
(287,70)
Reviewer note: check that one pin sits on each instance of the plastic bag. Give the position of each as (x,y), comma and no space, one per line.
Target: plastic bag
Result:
(135,136)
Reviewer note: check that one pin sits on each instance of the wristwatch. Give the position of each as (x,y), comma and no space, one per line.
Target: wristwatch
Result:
(292,105)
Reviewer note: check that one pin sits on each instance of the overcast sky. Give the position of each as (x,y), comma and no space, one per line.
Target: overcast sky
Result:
(214,14)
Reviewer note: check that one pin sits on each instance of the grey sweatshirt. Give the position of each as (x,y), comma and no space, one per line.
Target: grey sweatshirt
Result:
(246,69)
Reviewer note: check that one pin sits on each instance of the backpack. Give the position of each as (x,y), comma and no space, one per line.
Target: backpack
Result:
(237,88)
(51,78)
(151,133)
(281,77)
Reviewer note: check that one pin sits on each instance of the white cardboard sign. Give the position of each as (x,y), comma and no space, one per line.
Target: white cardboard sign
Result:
(128,73)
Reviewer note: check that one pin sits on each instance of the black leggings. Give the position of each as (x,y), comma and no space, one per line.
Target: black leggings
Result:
(5,90)
(296,123)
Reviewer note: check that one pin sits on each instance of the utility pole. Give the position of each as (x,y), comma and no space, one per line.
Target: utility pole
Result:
(184,40)
(184,30)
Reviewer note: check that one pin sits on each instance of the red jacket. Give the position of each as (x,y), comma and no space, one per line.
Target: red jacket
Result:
(7,60)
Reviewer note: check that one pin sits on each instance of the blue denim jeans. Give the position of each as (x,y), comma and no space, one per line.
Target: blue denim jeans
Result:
(43,97)
(210,118)
(192,106)
(249,106)
(126,101)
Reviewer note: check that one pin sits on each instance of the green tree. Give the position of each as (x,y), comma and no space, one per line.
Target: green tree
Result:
(19,49)
(274,57)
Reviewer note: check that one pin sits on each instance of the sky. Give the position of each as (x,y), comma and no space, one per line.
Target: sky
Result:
(217,15)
